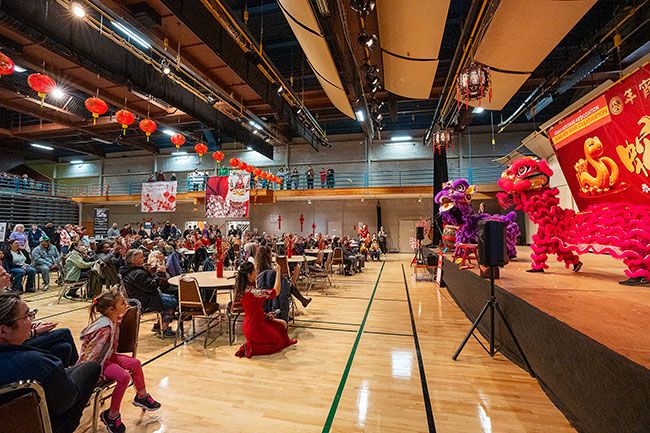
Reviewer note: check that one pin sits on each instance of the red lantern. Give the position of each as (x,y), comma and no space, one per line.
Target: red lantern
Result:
(148,126)
(218,156)
(250,168)
(234,162)
(178,140)
(41,83)
(302,220)
(264,175)
(201,149)
(6,65)
(125,118)
(257,171)
(242,165)
(97,107)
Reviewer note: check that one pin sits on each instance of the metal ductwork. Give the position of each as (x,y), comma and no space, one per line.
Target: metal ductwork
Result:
(50,24)
(519,36)
(410,32)
(303,23)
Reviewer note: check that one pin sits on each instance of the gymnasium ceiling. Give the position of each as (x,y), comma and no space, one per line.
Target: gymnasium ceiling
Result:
(223,89)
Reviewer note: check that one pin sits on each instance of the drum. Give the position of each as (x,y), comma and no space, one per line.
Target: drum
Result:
(449,235)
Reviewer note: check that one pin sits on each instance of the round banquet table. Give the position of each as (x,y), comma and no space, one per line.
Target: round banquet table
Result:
(315,251)
(208,280)
(298,259)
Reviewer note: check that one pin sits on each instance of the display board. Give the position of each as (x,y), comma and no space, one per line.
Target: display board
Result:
(100,225)
(604,147)
(228,196)
(158,197)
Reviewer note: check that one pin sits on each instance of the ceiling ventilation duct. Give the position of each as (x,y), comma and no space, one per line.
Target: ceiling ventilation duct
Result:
(302,20)
(520,35)
(410,34)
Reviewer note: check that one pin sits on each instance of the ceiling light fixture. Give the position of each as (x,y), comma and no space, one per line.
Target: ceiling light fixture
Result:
(78,10)
(309,201)
(169,132)
(131,34)
(76,161)
(478,110)
(165,67)
(19,69)
(249,148)
(58,93)
(401,138)
(42,146)
(255,125)
(366,39)
(281,89)
(360,116)
(100,140)
(179,153)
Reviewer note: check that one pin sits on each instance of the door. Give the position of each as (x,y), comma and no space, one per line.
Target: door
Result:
(334,228)
(406,232)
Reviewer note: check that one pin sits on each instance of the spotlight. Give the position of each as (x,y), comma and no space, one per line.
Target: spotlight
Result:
(211,99)
(165,67)
(58,93)
(280,89)
(309,201)
(78,10)
(359,115)
(366,39)
(363,6)
(374,88)
(299,110)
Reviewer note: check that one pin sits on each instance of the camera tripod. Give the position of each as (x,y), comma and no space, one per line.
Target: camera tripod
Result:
(492,305)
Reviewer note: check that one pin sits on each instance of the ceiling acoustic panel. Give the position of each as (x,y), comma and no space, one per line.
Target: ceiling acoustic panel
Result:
(304,25)
(410,32)
(520,35)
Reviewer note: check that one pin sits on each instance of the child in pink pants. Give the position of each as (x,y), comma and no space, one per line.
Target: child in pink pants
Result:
(99,343)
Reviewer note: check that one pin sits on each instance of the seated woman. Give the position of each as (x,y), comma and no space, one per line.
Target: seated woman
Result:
(17,263)
(265,334)
(266,278)
(67,390)
(76,267)
(145,286)
(375,250)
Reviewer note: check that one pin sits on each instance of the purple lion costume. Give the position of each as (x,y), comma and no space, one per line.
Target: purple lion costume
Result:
(456,208)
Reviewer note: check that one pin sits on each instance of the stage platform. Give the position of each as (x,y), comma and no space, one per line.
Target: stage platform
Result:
(586,336)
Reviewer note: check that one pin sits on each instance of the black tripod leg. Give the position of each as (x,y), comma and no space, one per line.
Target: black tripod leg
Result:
(471,330)
(512,335)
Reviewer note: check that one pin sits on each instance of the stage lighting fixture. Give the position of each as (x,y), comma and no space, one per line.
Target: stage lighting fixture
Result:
(359,115)
(367,39)
(280,89)
(78,10)
(58,93)
(362,6)
(165,67)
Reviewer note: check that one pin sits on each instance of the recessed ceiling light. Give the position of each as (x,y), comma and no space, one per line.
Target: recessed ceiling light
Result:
(41,146)
(78,10)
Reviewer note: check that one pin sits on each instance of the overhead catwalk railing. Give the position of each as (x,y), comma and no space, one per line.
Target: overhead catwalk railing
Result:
(196,183)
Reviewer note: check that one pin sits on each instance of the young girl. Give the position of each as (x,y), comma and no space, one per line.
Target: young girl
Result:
(99,342)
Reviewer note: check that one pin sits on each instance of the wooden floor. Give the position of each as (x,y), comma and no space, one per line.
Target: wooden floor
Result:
(355,368)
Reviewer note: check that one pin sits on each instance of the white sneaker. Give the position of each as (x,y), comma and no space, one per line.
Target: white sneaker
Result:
(46,287)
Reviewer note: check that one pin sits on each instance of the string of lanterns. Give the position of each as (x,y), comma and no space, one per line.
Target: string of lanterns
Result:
(236,163)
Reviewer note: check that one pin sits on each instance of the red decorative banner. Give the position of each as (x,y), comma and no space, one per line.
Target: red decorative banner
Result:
(158,197)
(228,196)
(604,147)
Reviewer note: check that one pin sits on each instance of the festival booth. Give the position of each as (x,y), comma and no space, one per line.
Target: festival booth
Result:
(582,321)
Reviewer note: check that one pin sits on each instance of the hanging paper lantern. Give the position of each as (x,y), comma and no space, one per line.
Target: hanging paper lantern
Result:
(41,83)
(264,175)
(250,168)
(473,84)
(125,118)
(201,149)
(257,171)
(97,107)
(148,126)
(234,162)
(242,165)
(218,156)
(441,138)
(178,140)
(6,65)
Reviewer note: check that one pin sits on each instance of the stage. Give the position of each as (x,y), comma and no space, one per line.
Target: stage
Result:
(586,336)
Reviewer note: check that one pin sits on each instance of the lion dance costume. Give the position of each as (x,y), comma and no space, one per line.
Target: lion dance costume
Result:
(621,230)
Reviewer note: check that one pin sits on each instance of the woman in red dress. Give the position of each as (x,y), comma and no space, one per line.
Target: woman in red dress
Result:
(265,334)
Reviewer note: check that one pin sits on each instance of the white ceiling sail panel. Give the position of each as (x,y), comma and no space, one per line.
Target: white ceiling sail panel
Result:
(410,32)
(523,32)
(304,25)
(504,85)
(408,78)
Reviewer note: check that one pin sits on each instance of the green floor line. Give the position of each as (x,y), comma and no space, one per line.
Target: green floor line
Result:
(337,397)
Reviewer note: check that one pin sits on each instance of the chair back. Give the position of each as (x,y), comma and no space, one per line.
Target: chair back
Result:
(296,273)
(337,255)
(189,295)
(328,262)
(283,264)
(23,408)
(306,265)
(130,329)
(319,258)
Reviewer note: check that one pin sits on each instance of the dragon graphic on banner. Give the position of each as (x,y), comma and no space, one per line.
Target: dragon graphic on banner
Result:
(228,196)
(158,197)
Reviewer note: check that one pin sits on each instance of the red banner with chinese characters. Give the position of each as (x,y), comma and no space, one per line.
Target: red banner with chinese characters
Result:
(604,147)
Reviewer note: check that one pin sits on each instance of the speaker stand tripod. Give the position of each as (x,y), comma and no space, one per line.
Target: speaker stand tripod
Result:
(492,305)
(419,254)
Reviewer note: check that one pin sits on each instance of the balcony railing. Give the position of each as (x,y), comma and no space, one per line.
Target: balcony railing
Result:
(356,179)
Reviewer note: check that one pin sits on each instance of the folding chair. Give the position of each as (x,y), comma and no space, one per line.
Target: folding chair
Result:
(23,408)
(294,280)
(283,264)
(322,274)
(233,311)
(337,259)
(191,304)
(127,343)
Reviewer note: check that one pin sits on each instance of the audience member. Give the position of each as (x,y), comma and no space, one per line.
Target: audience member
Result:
(34,236)
(113,231)
(17,263)
(76,267)
(46,258)
(19,235)
(309,175)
